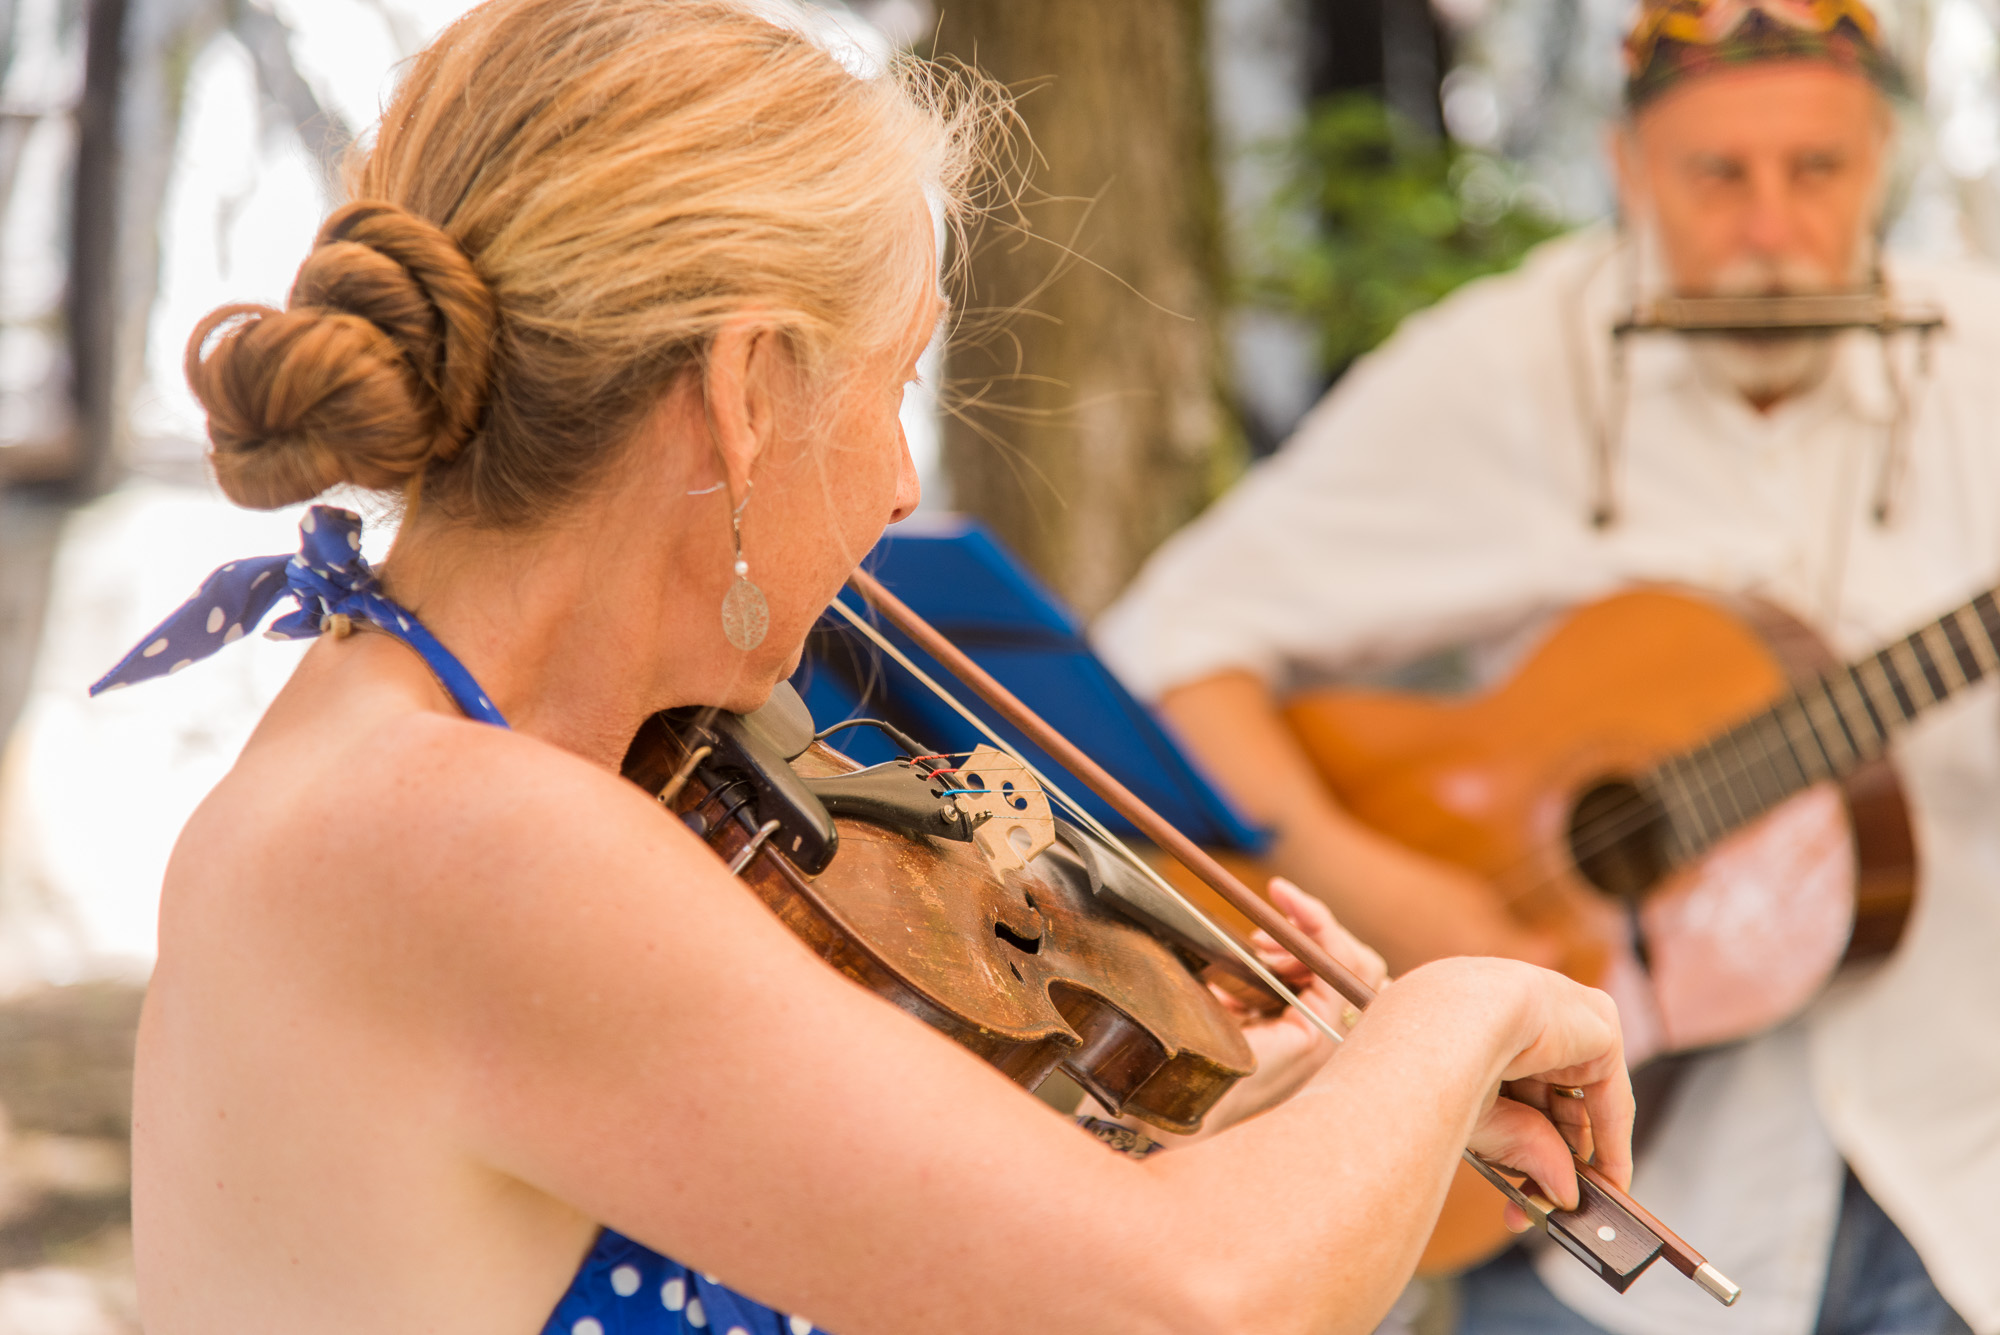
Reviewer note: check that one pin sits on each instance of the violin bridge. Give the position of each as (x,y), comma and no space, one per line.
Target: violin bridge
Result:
(1009,812)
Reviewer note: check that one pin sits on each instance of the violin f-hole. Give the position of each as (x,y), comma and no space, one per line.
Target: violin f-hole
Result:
(1027,945)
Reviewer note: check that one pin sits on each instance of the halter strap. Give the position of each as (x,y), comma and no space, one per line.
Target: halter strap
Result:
(328,578)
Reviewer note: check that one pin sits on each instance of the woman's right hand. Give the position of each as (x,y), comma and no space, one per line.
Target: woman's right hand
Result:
(1567,1036)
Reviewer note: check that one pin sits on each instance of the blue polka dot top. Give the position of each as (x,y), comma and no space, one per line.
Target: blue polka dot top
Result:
(622,1288)
(626,1289)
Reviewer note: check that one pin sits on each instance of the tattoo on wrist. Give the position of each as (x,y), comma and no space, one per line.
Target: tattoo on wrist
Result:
(1120,1138)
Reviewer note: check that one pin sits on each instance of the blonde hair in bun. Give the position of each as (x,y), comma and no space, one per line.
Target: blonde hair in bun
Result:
(563,203)
(378,366)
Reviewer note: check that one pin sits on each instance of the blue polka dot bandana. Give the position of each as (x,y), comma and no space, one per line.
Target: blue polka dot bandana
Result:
(328,578)
(625,1288)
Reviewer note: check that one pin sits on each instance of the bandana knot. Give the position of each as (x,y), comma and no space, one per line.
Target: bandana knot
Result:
(332,584)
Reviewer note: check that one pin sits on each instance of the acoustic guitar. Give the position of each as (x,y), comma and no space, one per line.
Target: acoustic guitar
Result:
(1688,791)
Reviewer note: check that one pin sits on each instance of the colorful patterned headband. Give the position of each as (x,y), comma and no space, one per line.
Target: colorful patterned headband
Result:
(1674,40)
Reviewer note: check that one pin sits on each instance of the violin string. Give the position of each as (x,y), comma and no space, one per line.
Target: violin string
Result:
(1525,862)
(1228,939)
(1602,832)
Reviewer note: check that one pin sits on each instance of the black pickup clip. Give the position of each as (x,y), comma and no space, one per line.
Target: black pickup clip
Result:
(756,749)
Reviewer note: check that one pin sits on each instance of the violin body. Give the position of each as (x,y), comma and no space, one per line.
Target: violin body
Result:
(1714,948)
(1017,959)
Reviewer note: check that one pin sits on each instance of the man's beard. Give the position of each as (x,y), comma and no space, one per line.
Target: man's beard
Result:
(1768,367)
(1765,368)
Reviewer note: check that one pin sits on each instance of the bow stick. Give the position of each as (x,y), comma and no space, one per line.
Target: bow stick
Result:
(1618,1258)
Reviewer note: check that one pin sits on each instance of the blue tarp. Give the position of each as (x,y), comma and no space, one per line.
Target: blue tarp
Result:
(957,576)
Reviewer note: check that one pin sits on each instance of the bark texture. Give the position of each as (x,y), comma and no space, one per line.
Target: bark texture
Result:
(1090,419)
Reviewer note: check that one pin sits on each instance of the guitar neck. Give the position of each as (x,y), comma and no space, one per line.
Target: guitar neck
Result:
(1821,731)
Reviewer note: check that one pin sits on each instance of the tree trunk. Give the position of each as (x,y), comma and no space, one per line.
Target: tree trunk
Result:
(100,390)
(1089,417)
(139,54)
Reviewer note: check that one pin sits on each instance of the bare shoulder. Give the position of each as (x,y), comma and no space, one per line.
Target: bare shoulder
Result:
(504,836)
(453,832)
(411,870)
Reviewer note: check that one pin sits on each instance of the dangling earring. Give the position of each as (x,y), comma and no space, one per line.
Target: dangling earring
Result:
(746,617)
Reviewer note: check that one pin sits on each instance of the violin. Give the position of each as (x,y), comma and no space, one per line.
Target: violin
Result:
(952,890)
(947,886)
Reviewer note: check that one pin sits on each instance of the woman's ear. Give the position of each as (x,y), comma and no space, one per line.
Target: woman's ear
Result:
(739,389)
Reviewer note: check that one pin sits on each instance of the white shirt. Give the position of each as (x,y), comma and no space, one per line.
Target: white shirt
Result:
(1441,495)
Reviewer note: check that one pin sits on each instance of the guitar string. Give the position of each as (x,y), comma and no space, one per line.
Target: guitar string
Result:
(1632,814)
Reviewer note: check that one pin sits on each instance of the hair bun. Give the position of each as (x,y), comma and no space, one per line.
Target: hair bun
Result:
(439,310)
(380,365)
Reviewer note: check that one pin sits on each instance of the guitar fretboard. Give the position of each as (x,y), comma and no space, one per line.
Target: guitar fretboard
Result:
(1823,731)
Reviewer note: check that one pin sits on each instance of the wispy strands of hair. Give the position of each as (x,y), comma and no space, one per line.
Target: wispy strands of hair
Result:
(624,177)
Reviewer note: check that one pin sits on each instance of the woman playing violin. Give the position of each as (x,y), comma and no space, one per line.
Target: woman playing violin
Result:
(453,1029)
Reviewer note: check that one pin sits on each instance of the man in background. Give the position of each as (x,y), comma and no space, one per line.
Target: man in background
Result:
(1496,462)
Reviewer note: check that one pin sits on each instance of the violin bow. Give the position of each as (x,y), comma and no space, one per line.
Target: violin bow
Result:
(1608,1231)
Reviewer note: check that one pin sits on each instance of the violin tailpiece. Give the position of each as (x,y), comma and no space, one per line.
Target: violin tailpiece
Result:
(805,833)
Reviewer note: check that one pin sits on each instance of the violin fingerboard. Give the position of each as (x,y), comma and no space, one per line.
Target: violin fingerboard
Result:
(1605,1237)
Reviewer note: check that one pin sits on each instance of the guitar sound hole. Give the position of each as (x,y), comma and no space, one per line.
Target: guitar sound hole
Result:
(1618,839)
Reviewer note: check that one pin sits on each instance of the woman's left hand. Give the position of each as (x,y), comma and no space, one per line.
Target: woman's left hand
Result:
(1287,1046)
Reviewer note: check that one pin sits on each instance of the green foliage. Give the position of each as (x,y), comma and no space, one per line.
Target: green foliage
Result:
(1395,220)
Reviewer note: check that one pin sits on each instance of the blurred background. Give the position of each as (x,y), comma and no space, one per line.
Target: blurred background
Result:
(1228,202)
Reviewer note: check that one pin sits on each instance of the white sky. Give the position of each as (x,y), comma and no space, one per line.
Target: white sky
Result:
(245,200)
